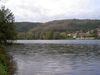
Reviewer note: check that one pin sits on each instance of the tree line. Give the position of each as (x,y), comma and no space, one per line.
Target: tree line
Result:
(57,35)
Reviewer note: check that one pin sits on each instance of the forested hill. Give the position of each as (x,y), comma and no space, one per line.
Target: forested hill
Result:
(59,25)
(59,29)
(68,25)
(25,26)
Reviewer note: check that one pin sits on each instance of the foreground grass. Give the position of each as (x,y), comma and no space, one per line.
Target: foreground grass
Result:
(6,65)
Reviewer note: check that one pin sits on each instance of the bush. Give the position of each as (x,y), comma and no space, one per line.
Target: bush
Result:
(6,65)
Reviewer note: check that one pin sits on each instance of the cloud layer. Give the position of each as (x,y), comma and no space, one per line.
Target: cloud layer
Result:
(45,10)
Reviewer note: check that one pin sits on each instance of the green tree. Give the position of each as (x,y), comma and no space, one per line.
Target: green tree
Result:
(7,29)
(63,35)
(94,33)
(56,35)
(49,35)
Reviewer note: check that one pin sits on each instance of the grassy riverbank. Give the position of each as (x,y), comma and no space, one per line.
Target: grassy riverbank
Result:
(6,65)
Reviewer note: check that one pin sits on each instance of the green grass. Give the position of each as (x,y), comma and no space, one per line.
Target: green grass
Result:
(3,62)
(7,66)
(3,70)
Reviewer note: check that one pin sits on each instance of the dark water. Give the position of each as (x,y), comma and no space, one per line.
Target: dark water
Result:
(57,59)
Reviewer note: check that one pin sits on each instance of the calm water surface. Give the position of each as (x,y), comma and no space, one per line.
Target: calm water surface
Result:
(58,41)
(55,58)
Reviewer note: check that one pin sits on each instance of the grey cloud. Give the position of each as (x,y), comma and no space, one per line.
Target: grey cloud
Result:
(46,10)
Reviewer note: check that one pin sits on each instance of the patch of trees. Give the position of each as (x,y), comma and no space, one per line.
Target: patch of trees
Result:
(7,28)
(42,35)
(57,35)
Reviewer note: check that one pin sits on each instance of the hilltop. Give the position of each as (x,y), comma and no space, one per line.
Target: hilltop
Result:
(59,25)
(25,26)
(69,25)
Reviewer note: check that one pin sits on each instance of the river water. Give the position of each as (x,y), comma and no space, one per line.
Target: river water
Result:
(57,57)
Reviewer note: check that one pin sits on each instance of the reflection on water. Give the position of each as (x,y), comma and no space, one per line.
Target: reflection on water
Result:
(52,59)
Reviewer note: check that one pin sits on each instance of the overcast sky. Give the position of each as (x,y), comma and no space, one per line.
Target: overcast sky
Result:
(47,10)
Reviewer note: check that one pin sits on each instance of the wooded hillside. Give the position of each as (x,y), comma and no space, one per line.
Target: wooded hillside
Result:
(59,29)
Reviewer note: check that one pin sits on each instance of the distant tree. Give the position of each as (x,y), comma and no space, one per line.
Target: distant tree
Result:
(49,35)
(63,35)
(56,35)
(94,33)
(7,29)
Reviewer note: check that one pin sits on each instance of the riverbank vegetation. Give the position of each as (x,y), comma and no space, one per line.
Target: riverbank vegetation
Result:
(7,32)
(6,63)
